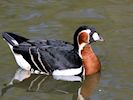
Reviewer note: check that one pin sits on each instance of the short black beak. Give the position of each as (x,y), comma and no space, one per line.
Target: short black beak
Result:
(101,39)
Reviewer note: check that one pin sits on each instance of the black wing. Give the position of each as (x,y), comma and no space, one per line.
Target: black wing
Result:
(58,58)
(44,55)
(49,55)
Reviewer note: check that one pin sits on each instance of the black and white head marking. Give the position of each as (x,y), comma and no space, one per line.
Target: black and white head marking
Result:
(90,37)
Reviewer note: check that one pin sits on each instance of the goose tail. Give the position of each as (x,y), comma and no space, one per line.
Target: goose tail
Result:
(13,39)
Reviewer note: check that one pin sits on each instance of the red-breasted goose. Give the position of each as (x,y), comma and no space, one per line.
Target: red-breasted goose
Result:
(56,57)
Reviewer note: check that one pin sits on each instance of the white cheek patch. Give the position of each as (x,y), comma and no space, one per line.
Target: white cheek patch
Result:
(96,36)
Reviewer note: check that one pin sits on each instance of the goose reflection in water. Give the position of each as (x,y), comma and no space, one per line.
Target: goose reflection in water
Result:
(80,87)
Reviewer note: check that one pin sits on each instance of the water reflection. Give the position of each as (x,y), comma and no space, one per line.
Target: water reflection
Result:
(81,88)
(88,86)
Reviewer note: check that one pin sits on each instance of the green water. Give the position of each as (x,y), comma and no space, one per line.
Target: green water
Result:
(56,19)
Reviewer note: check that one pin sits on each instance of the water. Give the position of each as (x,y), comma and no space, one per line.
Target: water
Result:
(39,19)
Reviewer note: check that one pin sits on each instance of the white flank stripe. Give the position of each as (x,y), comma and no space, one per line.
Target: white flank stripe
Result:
(39,58)
(15,42)
(68,72)
(32,58)
(20,60)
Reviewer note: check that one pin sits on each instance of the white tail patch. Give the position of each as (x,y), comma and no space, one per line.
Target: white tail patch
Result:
(20,60)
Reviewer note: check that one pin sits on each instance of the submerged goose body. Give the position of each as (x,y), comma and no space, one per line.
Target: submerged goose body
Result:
(56,57)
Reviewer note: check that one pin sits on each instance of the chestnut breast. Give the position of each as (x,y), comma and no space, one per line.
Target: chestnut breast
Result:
(90,61)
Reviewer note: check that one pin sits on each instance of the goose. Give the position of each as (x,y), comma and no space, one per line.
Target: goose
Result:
(57,57)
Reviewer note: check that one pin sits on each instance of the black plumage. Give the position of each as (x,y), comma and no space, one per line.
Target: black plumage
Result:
(47,55)
(51,54)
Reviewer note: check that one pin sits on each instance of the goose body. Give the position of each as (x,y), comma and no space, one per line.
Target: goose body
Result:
(56,57)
